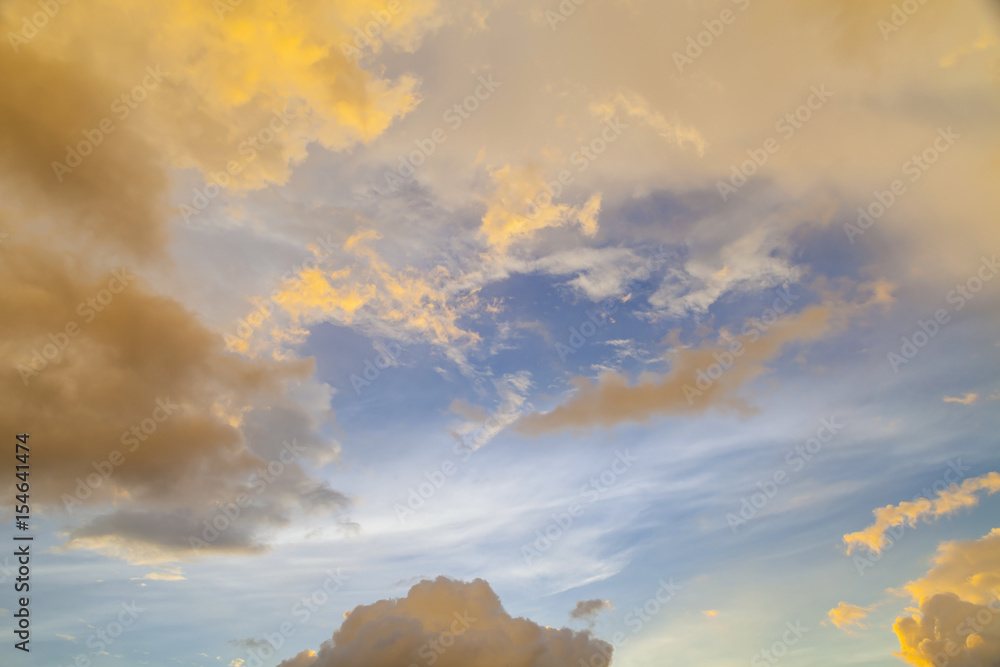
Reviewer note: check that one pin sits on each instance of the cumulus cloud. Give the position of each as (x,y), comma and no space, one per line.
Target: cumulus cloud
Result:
(970,569)
(950,631)
(967,399)
(958,620)
(947,501)
(453,624)
(149,421)
(152,426)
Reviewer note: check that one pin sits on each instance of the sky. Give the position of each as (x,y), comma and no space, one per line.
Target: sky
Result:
(489,333)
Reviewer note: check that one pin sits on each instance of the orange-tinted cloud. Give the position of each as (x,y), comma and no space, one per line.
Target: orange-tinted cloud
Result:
(612,400)
(86,163)
(408,302)
(947,502)
(970,569)
(521,205)
(450,624)
(847,616)
(959,607)
(967,399)
(950,631)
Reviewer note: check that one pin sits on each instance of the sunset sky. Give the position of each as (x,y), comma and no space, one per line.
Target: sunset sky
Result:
(488,333)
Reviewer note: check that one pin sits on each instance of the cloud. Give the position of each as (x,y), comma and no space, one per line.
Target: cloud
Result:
(749,263)
(740,252)
(959,607)
(143,408)
(589,609)
(478,428)
(612,400)
(967,399)
(673,131)
(946,502)
(165,574)
(187,93)
(452,624)
(403,303)
(710,613)
(970,569)
(219,82)
(846,616)
(600,272)
(950,631)
(521,205)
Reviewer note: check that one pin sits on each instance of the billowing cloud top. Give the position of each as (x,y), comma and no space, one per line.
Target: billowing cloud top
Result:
(959,616)
(451,624)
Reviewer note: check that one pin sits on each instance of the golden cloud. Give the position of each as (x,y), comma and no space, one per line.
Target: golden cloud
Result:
(450,624)
(947,502)
(521,205)
(846,616)
(149,424)
(959,615)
